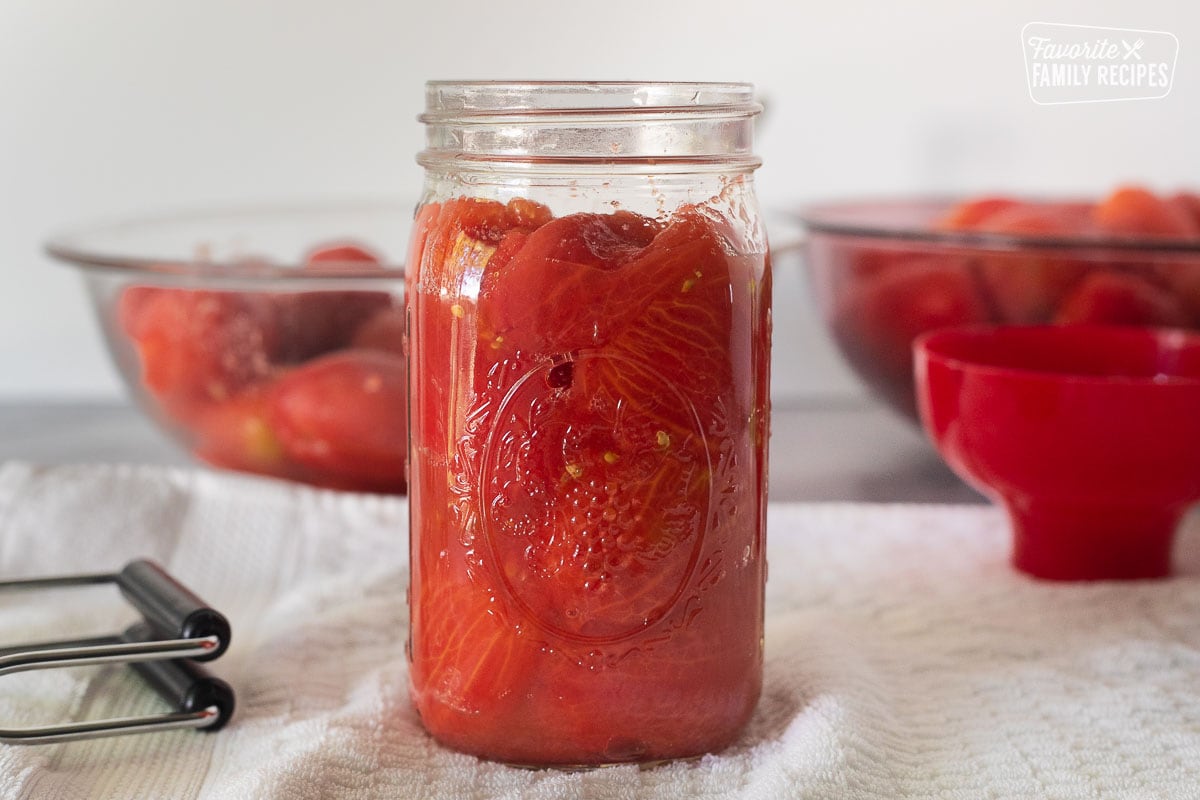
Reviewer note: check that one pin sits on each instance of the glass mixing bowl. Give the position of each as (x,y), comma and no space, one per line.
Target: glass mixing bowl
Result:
(263,339)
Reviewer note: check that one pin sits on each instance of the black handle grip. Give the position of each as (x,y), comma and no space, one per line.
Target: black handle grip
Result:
(182,683)
(170,607)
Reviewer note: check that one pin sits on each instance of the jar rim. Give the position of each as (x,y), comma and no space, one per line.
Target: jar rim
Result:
(493,101)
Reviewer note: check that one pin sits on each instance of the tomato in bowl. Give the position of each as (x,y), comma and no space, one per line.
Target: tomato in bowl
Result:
(266,340)
(886,271)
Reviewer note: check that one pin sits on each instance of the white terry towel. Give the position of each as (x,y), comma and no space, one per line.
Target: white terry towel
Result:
(904,659)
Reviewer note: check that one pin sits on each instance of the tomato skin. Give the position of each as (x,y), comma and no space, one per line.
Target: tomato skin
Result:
(342,415)
(131,304)
(1026,286)
(1134,211)
(312,324)
(348,254)
(1189,202)
(384,331)
(878,318)
(970,214)
(1046,220)
(586,387)
(199,348)
(236,434)
(1120,299)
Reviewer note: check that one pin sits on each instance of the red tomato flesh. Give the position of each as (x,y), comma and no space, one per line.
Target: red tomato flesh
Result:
(577,426)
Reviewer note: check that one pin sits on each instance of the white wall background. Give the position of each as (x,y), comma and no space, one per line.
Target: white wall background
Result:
(110,107)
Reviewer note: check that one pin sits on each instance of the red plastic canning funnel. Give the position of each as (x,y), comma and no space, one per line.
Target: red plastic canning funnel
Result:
(1088,435)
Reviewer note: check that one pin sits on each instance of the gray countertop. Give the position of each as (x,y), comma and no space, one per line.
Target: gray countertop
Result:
(835,450)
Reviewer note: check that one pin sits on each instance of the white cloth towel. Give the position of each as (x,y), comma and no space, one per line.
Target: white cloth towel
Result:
(903,657)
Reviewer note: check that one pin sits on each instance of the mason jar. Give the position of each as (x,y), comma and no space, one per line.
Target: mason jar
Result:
(589,319)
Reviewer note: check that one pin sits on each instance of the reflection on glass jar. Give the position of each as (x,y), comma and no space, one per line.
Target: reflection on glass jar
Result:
(589,294)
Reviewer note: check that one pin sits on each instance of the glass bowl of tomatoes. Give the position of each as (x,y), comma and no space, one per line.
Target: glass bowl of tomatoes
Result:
(884,272)
(268,340)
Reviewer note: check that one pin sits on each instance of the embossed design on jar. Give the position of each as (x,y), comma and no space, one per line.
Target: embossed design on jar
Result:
(596,484)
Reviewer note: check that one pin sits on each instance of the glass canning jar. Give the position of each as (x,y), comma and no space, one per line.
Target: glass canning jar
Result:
(589,319)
